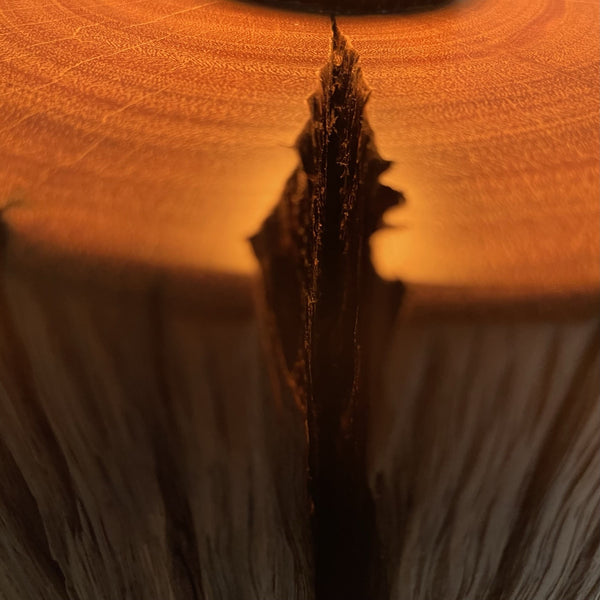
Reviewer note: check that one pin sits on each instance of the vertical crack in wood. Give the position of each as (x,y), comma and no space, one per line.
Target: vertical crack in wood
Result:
(327,313)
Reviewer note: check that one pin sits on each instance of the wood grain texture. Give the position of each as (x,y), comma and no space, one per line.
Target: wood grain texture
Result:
(163,134)
(490,111)
(485,460)
(154,133)
(145,451)
(142,453)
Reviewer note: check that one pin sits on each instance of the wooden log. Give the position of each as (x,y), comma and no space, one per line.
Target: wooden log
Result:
(151,443)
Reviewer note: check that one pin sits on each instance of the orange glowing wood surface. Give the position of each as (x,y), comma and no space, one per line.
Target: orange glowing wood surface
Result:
(162,134)
(147,452)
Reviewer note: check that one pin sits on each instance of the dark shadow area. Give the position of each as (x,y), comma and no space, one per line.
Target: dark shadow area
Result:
(353,7)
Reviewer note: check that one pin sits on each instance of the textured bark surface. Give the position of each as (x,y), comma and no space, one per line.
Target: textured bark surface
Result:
(142,453)
(484,459)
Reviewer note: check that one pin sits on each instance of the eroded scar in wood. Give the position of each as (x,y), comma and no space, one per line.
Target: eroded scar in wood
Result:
(320,289)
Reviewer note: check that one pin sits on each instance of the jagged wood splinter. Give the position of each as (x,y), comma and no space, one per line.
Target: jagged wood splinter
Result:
(319,288)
